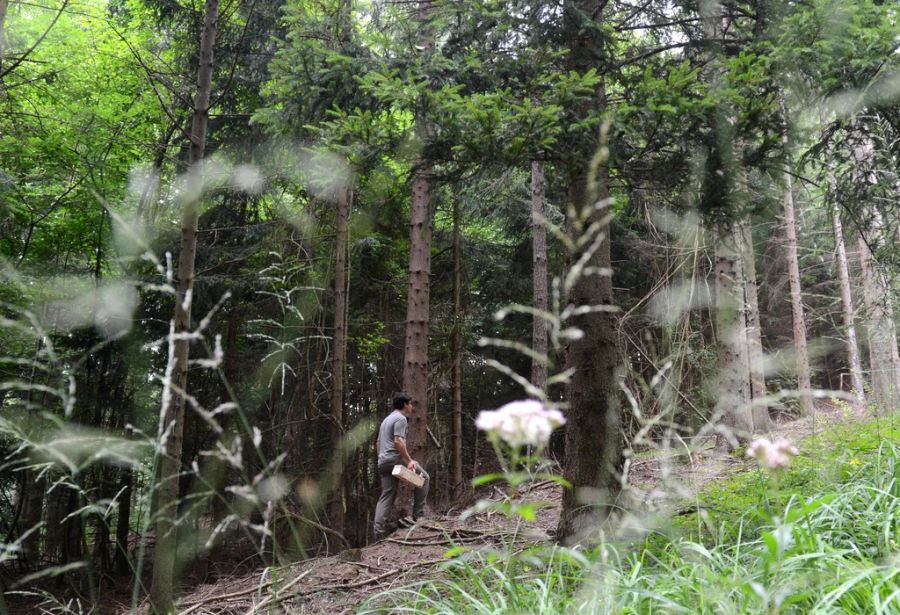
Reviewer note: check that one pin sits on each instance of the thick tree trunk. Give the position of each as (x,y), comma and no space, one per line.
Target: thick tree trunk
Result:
(338,508)
(121,562)
(734,388)
(539,274)
(72,528)
(804,383)
(884,369)
(415,348)
(31,511)
(101,548)
(848,309)
(593,440)
(733,413)
(4,4)
(63,538)
(456,351)
(593,434)
(761,420)
(164,556)
(339,358)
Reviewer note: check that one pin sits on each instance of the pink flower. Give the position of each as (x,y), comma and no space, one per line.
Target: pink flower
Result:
(771,454)
(521,422)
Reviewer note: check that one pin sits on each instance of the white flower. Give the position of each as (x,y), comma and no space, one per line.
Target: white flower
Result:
(521,422)
(770,454)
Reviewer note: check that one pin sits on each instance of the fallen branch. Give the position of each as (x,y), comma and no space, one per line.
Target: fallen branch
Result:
(370,580)
(456,530)
(447,541)
(195,605)
(369,566)
(318,526)
(274,597)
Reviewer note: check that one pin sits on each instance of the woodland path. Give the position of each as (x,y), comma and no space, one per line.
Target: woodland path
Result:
(339,584)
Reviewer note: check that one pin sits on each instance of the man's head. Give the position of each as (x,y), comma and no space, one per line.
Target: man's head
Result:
(402,402)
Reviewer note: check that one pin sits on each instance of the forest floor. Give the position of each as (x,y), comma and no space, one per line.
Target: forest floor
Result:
(341,583)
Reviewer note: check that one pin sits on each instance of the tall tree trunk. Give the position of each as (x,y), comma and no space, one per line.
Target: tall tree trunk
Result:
(593,440)
(339,358)
(415,348)
(804,382)
(121,562)
(31,506)
(847,303)
(734,388)
(338,508)
(801,356)
(539,274)
(147,203)
(72,528)
(4,4)
(164,555)
(593,457)
(761,420)
(456,351)
(733,411)
(881,333)
(101,549)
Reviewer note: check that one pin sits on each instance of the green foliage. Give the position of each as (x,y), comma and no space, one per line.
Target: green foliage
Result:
(826,539)
(108,92)
(65,145)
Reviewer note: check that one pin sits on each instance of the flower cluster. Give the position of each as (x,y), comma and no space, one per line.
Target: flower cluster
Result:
(521,422)
(772,455)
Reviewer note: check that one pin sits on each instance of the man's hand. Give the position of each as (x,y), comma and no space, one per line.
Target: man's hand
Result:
(411,466)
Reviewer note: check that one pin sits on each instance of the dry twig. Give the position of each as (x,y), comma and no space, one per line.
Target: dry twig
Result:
(205,601)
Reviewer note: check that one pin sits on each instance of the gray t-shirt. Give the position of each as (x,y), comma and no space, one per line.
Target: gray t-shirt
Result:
(394,425)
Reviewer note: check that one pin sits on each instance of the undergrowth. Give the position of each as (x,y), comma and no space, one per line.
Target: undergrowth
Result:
(822,536)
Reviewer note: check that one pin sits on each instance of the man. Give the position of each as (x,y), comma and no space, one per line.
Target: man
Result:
(391,449)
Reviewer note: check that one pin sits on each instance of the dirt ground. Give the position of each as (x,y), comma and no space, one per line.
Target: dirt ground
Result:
(339,584)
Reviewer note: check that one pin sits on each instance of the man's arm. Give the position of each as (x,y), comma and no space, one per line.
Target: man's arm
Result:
(404,454)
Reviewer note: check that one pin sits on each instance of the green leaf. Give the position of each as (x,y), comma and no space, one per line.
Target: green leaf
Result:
(798,513)
(455,552)
(556,478)
(528,512)
(485,479)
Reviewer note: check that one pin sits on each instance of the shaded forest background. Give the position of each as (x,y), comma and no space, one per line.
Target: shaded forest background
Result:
(230,231)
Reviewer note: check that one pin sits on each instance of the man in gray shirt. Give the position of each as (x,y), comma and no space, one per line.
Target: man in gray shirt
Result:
(391,448)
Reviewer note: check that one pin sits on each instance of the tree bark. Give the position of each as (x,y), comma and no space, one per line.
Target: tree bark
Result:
(847,303)
(415,348)
(734,388)
(881,333)
(339,358)
(456,352)
(593,434)
(593,438)
(539,274)
(4,5)
(164,555)
(760,411)
(121,562)
(31,510)
(804,382)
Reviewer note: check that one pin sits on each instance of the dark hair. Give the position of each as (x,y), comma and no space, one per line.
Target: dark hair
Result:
(401,399)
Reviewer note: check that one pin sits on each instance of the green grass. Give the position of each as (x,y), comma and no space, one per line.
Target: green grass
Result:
(821,537)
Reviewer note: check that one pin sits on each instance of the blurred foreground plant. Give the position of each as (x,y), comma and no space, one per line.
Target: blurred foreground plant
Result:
(519,432)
